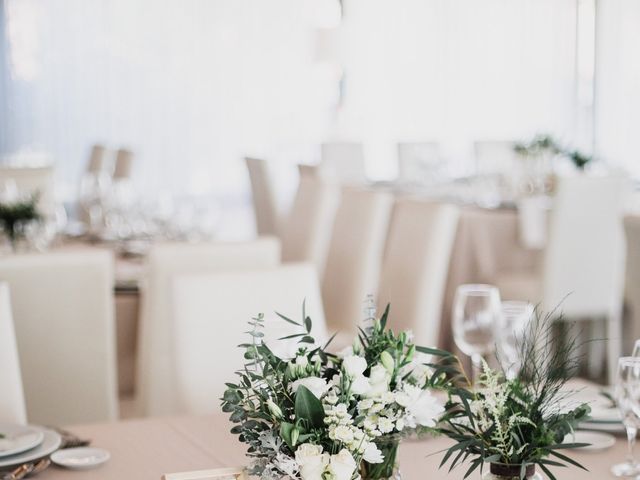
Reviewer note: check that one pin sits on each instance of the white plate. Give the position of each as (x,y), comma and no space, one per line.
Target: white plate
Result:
(598,441)
(615,428)
(80,458)
(18,438)
(50,444)
(605,414)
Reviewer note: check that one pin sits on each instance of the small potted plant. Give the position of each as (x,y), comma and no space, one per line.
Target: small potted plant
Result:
(520,424)
(15,215)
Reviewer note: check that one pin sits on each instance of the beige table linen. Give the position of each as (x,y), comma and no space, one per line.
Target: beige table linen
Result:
(146,449)
(487,242)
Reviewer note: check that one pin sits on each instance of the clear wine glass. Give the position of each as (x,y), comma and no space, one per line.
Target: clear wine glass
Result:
(514,323)
(628,400)
(476,315)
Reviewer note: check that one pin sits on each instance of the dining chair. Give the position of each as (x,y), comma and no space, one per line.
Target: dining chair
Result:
(583,266)
(97,160)
(305,170)
(355,256)
(343,161)
(64,324)
(155,372)
(123,164)
(12,406)
(307,231)
(494,157)
(32,180)
(233,473)
(417,161)
(416,265)
(265,204)
(212,312)
(632,281)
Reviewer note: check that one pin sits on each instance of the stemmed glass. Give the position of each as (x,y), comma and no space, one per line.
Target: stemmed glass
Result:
(514,322)
(476,313)
(628,400)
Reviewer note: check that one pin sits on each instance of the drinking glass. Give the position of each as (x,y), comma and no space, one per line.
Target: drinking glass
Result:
(476,313)
(628,400)
(514,323)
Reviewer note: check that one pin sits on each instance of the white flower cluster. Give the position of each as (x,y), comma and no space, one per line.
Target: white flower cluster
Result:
(385,411)
(342,429)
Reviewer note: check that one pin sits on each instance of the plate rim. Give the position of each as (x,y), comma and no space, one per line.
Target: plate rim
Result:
(35,453)
(610,441)
(19,450)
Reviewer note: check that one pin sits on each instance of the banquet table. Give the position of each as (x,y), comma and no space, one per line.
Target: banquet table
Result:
(487,242)
(147,449)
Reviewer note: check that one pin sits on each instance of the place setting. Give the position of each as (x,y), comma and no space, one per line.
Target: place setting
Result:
(26,450)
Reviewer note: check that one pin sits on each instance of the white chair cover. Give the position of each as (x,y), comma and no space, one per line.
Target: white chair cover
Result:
(632,283)
(583,268)
(64,321)
(307,232)
(12,406)
(155,373)
(265,204)
(97,160)
(123,165)
(355,256)
(416,264)
(212,311)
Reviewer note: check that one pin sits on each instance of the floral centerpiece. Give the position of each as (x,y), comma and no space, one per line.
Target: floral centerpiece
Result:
(516,425)
(319,416)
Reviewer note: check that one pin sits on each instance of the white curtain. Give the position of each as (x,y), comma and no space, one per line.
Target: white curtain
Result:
(618,83)
(189,85)
(192,85)
(455,71)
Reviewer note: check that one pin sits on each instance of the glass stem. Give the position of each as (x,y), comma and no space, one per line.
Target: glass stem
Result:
(631,441)
(476,362)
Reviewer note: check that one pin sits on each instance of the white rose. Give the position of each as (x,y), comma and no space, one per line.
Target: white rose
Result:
(424,407)
(343,434)
(342,465)
(379,379)
(354,366)
(316,385)
(372,453)
(360,385)
(312,461)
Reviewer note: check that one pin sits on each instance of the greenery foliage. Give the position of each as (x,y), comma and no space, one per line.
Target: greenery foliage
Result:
(327,411)
(518,422)
(541,144)
(14,213)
